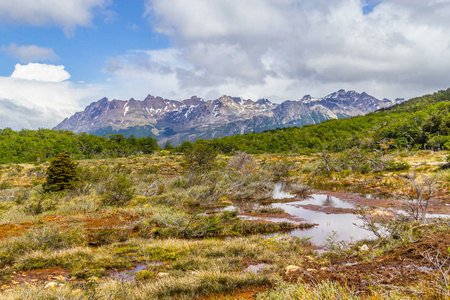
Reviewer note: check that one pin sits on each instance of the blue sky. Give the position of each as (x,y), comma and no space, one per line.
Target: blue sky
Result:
(58,56)
(369,5)
(112,32)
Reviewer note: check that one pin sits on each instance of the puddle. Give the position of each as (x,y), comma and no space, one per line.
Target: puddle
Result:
(379,196)
(228,208)
(403,212)
(279,193)
(257,268)
(346,226)
(360,190)
(130,275)
(325,200)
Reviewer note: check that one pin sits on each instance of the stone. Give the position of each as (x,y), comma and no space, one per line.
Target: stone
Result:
(291,270)
(364,248)
(162,275)
(51,285)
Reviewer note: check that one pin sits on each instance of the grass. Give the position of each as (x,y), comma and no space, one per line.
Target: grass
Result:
(172,224)
(322,291)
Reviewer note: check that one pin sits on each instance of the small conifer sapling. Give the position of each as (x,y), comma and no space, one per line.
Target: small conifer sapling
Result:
(61,174)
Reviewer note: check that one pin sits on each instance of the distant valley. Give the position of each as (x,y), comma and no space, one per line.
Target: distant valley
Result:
(196,118)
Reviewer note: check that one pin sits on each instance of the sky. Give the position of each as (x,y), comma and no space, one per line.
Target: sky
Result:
(56,57)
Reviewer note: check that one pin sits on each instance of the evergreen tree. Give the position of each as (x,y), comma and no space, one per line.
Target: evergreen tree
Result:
(61,174)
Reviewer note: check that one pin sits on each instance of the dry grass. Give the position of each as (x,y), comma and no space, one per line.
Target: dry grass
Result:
(156,228)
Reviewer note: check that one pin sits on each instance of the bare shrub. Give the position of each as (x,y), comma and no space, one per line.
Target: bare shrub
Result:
(241,163)
(422,190)
(440,263)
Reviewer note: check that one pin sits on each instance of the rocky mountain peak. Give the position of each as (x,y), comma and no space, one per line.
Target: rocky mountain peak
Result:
(194,117)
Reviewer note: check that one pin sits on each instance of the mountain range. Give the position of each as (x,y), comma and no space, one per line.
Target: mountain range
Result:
(195,118)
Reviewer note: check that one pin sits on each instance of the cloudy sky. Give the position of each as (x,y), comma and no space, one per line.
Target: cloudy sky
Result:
(58,56)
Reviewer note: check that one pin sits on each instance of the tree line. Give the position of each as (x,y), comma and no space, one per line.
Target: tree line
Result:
(420,123)
(43,144)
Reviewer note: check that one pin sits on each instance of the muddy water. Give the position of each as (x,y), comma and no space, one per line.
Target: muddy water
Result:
(344,226)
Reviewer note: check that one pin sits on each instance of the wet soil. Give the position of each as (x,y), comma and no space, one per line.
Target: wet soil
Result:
(39,276)
(275,217)
(328,209)
(11,230)
(401,267)
(241,293)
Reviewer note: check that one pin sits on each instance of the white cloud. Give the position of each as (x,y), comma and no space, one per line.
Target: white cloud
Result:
(30,53)
(33,104)
(40,72)
(67,14)
(293,47)
(39,95)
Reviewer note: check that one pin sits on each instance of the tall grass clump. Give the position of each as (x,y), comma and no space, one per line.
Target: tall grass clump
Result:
(41,238)
(320,291)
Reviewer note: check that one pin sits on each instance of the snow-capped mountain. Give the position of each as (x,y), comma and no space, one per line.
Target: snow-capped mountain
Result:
(195,118)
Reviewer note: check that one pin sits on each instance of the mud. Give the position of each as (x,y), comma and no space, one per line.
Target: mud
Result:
(241,293)
(329,209)
(401,267)
(39,276)
(11,230)
(285,217)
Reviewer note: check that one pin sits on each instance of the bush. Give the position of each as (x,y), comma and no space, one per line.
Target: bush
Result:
(40,203)
(61,174)
(241,163)
(280,168)
(200,158)
(118,191)
(400,165)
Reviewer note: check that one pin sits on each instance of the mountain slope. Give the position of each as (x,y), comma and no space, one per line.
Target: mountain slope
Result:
(420,123)
(196,118)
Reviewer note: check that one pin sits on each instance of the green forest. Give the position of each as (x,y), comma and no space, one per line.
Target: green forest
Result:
(420,123)
(44,144)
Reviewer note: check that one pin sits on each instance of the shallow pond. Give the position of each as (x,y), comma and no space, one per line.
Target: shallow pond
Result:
(346,226)
(331,214)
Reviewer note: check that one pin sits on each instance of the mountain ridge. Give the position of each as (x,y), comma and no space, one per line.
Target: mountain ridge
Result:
(194,118)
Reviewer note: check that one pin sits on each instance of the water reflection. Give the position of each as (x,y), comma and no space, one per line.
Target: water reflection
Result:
(325,200)
(279,193)
(346,226)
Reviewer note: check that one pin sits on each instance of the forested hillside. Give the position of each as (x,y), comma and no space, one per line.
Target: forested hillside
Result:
(43,144)
(420,123)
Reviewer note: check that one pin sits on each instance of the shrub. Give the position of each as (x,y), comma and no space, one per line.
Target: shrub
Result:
(241,163)
(40,238)
(61,174)
(118,191)
(300,290)
(200,158)
(40,203)
(400,165)
(280,168)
